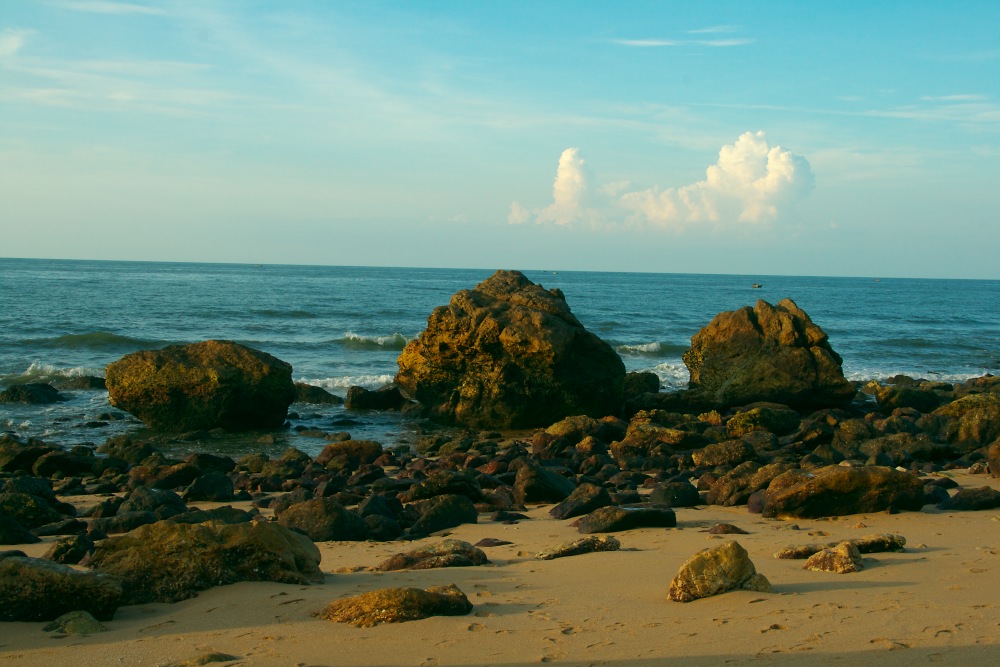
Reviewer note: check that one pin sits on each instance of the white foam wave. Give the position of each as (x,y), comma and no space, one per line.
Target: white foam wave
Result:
(40,372)
(642,348)
(866,374)
(347,381)
(673,375)
(396,341)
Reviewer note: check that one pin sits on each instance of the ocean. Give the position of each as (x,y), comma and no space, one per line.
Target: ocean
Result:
(343,326)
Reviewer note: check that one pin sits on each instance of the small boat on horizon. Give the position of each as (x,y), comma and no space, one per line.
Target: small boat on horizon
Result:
(757,286)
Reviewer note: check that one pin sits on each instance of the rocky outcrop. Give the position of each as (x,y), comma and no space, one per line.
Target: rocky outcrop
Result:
(766,353)
(397,605)
(167,562)
(838,490)
(202,386)
(510,354)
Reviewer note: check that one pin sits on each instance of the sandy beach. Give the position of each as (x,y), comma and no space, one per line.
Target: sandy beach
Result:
(936,602)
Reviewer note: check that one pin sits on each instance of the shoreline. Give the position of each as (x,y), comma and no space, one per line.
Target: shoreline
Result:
(933,602)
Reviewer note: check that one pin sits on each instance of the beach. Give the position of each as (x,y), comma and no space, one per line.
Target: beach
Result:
(934,602)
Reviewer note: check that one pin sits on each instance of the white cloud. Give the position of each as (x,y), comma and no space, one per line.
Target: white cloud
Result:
(12,41)
(750,183)
(108,7)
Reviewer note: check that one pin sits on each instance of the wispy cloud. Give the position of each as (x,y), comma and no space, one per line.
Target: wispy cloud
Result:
(715,29)
(653,43)
(109,7)
(751,182)
(12,41)
(953,98)
(647,43)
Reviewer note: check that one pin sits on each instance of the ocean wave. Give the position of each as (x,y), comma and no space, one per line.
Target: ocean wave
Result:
(347,381)
(95,340)
(355,341)
(39,372)
(673,375)
(654,349)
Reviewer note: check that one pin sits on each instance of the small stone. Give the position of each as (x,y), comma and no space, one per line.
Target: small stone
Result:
(448,553)
(726,529)
(841,559)
(491,542)
(716,570)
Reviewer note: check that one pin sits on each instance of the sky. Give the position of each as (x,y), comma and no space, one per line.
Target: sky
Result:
(849,138)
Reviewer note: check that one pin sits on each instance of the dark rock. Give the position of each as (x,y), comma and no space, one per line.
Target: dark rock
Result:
(19,457)
(386,398)
(654,433)
(323,520)
(202,386)
(224,514)
(728,453)
(397,605)
(488,542)
(164,504)
(61,463)
(448,553)
(983,498)
(584,545)
(585,499)
(64,527)
(33,393)
(972,421)
(638,383)
(349,454)
(129,450)
(70,550)
(766,353)
(714,571)
(838,490)
(307,393)
(213,487)
(12,532)
(922,399)
(737,485)
(122,522)
(167,562)
(770,417)
(28,510)
(382,528)
(900,448)
(535,484)
(510,354)
(613,519)
(675,494)
(726,529)
(993,458)
(870,544)
(81,382)
(442,482)
(441,512)
(33,589)
(207,463)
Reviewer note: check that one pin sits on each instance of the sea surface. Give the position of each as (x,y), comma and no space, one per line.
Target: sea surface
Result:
(344,326)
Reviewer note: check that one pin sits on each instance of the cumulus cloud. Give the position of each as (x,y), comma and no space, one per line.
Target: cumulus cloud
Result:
(751,182)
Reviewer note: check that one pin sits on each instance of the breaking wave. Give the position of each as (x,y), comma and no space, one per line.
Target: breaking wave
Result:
(355,341)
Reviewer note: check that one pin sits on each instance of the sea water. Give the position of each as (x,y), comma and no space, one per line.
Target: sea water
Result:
(344,326)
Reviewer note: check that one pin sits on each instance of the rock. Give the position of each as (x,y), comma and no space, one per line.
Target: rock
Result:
(162,503)
(64,527)
(652,433)
(638,383)
(386,398)
(770,417)
(29,510)
(536,484)
(971,421)
(214,487)
(64,464)
(349,454)
(18,457)
(224,514)
(727,453)
(75,623)
(324,520)
(441,482)
(123,522)
(442,512)
(870,544)
(12,532)
(33,393)
(307,393)
(448,553)
(841,559)
(584,545)
(726,529)
(839,490)
(205,385)
(737,485)
(167,562)
(585,499)
(613,519)
(922,399)
(766,353)
(70,550)
(204,659)
(675,494)
(397,605)
(510,354)
(488,542)
(32,589)
(125,448)
(714,571)
(983,498)
(993,458)
(901,448)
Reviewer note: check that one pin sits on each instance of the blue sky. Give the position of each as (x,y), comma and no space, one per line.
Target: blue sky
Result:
(841,138)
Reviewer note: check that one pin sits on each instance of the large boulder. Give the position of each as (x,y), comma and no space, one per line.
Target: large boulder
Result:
(510,354)
(716,570)
(766,353)
(202,386)
(167,562)
(33,589)
(838,490)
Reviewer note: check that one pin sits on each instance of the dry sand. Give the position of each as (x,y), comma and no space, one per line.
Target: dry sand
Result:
(935,603)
